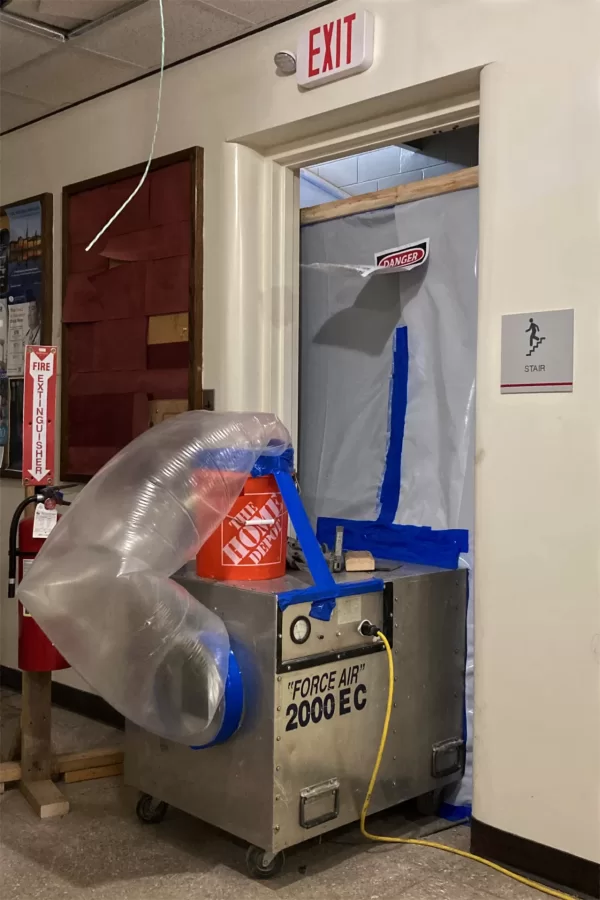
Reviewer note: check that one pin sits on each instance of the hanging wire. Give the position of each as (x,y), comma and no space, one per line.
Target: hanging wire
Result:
(147,169)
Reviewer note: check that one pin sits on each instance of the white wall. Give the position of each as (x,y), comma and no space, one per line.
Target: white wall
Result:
(538,474)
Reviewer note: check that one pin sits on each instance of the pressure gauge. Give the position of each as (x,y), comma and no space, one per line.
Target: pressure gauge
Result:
(300,630)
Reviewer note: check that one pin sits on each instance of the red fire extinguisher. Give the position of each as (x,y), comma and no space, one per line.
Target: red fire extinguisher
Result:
(36,652)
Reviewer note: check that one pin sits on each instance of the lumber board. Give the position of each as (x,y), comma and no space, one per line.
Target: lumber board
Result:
(10,771)
(44,798)
(460,180)
(105,757)
(87,759)
(96,772)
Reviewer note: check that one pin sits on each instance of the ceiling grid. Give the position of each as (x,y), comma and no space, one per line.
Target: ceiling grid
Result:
(54,53)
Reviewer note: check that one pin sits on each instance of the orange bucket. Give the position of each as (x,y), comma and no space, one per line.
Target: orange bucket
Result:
(250,544)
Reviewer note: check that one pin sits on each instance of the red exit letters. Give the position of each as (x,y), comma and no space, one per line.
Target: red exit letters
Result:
(323,37)
(335,49)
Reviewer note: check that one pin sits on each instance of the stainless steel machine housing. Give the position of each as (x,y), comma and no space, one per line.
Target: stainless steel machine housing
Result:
(300,763)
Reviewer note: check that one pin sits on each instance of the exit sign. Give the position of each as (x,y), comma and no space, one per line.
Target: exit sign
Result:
(336,49)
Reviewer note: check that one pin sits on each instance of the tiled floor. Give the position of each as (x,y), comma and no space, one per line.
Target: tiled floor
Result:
(99,851)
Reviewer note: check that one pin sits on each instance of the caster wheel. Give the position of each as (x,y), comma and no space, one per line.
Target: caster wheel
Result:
(429,804)
(263,865)
(151,811)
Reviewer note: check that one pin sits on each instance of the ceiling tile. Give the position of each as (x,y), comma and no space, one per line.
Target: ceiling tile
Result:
(80,9)
(64,13)
(190,27)
(67,75)
(18,47)
(15,111)
(261,11)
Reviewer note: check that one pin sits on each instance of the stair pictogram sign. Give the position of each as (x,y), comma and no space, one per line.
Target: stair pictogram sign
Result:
(534,340)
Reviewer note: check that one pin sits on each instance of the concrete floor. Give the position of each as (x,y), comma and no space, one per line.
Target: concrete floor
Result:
(100,851)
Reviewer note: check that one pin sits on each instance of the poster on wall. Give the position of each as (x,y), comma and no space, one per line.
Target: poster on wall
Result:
(24,296)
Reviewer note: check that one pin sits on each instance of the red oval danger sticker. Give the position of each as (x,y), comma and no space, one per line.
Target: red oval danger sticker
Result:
(408,257)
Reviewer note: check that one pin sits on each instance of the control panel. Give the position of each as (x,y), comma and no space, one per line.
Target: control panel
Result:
(303,640)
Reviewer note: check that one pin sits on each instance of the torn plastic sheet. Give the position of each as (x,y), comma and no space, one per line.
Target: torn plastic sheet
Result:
(100,586)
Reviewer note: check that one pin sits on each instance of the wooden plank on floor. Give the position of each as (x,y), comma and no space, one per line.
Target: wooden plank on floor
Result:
(90,774)
(10,771)
(64,763)
(87,759)
(44,798)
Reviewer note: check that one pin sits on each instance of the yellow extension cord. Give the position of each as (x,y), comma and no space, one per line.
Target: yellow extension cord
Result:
(394,840)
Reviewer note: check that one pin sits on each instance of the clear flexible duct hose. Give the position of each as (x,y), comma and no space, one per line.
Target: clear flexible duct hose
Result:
(100,587)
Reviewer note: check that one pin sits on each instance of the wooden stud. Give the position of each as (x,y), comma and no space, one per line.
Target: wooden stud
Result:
(44,798)
(404,193)
(14,748)
(36,749)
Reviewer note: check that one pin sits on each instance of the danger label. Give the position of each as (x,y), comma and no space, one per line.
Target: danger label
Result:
(253,536)
(406,258)
(324,696)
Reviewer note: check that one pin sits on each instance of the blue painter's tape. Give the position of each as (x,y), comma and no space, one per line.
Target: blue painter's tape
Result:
(405,543)
(455,813)
(241,459)
(323,593)
(268,465)
(323,599)
(389,496)
(234,705)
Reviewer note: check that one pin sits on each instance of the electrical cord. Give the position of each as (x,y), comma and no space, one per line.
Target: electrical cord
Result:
(422,843)
(151,156)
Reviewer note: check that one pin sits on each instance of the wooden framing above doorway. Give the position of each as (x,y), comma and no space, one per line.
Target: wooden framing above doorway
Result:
(393,196)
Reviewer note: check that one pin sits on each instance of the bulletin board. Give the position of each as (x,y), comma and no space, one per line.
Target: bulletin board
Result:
(132,308)
(25,311)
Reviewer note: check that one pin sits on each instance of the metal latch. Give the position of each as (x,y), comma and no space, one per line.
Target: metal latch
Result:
(447,757)
(320,803)
(337,560)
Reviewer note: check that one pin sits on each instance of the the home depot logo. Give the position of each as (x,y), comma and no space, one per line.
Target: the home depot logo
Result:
(408,257)
(254,535)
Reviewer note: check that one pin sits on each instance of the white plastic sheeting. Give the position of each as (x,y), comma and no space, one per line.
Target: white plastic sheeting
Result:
(100,586)
(348,323)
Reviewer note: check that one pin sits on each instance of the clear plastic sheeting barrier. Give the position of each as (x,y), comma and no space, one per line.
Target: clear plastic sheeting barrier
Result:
(100,586)
(350,314)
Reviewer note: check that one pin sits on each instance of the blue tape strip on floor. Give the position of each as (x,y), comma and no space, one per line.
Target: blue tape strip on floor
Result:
(389,496)
(405,543)
(455,813)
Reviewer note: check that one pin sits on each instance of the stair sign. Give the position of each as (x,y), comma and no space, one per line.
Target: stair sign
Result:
(537,352)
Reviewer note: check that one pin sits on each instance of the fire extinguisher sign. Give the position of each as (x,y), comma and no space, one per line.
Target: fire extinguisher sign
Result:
(39,404)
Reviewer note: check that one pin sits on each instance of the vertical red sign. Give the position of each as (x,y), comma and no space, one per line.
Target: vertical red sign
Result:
(39,406)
